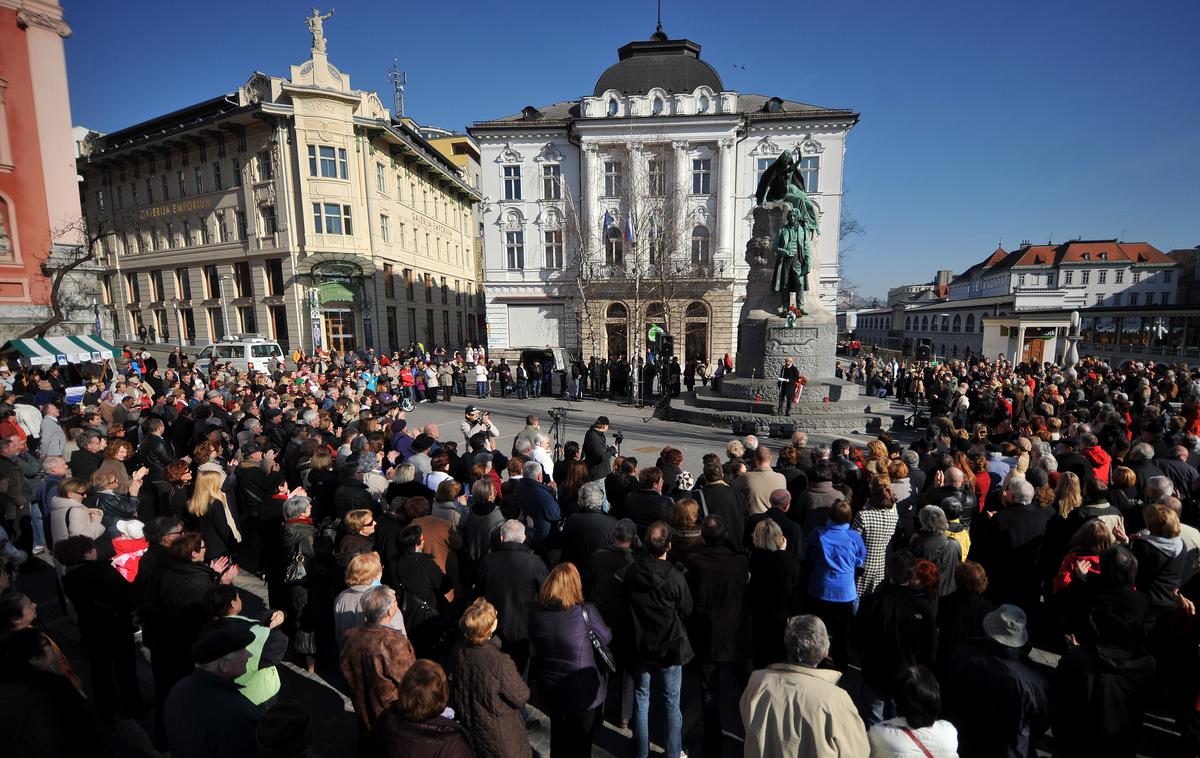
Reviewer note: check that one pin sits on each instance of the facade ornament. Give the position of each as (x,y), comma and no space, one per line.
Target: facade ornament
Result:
(681,145)
(316,25)
(725,144)
(549,154)
(509,155)
(810,145)
(27,18)
(766,146)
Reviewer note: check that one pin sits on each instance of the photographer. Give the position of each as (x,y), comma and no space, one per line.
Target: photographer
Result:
(477,421)
(597,453)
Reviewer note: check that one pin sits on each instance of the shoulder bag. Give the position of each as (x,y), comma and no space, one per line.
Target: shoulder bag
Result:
(600,652)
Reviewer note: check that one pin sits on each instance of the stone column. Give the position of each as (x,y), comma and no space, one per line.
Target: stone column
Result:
(726,202)
(587,202)
(1020,345)
(677,227)
(636,192)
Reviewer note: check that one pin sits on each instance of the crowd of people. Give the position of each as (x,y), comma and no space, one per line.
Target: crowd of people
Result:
(823,600)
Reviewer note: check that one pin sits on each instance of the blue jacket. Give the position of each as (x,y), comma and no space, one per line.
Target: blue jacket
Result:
(835,551)
(539,504)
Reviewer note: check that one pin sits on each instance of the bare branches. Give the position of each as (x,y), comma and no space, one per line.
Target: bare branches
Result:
(59,267)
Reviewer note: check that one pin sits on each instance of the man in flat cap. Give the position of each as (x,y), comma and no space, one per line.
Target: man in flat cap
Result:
(206,713)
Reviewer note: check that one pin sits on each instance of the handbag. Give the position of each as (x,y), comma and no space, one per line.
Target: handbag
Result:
(296,571)
(600,652)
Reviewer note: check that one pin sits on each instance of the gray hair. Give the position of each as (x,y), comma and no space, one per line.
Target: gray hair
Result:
(295,506)
(933,519)
(910,458)
(1048,463)
(751,442)
(1158,487)
(531,470)
(376,602)
(311,417)
(591,496)
(806,640)
(251,424)
(523,445)
(405,473)
(541,438)
(512,531)
(54,462)
(1141,452)
(735,448)
(1020,491)
(824,451)
(367,462)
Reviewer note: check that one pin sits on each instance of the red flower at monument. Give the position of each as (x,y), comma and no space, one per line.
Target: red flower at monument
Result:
(803,380)
(795,311)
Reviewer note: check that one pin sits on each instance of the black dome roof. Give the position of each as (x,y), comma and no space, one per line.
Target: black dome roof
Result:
(673,64)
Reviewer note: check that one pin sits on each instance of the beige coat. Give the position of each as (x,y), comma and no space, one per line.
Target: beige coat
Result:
(792,711)
(757,485)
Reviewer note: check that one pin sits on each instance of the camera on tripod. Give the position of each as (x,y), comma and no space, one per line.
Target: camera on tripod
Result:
(558,414)
(618,437)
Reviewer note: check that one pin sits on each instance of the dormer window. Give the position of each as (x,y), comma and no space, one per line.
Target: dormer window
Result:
(702,104)
(1087,256)
(612,106)
(657,106)
(1103,256)
(774,105)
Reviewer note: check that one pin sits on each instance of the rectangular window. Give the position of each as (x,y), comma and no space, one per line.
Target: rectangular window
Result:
(217,185)
(170,236)
(1165,298)
(132,289)
(246,317)
(189,324)
(385,228)
(1068,276)
(429,327)
(389,281)
(183,284)
(187,234)
(182,183)
(1020,280)
(810,169)
(554,249)
(512,183)
(266,169)
(274,276)
(156,285)
(267,216)
(222,227)
(279,326)
(400,237)
(245,285)
(514,245)
(199,181)
(429,288)
(241,224)
(1099,298)
(1121,276)
(346,220)
(204,240)
(656,177)
(380,178)
(342,172)
(760,168)
(1137,276)
(702,176)
(1133,298)
(212,282)
(1102,277)
(133,193)
(166,187)
(445,291)
(149,190)
(552,182)
(393,327)
(613,181)
(408,283)
(106,282)
(1167,276)
(1085,277)
(237,172)
(216,325)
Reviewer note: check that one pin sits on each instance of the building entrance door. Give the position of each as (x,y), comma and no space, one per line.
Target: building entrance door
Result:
(1032,350)
(339,329)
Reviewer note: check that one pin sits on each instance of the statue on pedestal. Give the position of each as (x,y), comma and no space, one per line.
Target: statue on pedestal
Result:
(783,182)
(316,25)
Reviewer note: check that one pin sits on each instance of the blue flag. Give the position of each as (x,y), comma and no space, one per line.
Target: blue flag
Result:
(629,226)
(606,222)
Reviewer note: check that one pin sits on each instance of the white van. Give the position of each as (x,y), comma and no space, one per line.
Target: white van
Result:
(245,352)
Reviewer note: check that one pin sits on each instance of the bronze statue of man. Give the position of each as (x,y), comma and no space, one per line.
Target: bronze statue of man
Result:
(783,182)
(792,262)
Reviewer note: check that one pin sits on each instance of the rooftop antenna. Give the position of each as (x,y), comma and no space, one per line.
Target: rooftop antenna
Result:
(399,80)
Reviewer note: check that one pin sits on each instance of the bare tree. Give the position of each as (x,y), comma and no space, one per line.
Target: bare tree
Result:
(70,277)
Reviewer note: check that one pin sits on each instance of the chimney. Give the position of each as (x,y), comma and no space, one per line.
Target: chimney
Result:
(943,277)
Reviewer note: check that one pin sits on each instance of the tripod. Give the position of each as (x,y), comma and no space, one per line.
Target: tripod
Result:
(661,406)
(558,431)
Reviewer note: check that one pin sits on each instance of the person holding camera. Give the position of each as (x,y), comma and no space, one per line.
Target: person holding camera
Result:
(476,421)
(597,453)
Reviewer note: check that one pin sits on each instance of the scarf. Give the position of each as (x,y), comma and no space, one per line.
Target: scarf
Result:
(301,520)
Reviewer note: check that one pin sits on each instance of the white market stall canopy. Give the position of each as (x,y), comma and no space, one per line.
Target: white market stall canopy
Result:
(48,351)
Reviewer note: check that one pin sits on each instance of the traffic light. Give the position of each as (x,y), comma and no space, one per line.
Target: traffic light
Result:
(666,345)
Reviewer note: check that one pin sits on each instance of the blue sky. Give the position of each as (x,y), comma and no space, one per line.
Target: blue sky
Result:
(981,122)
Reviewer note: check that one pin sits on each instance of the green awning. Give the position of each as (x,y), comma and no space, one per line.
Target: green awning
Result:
(46,351)
(332,292)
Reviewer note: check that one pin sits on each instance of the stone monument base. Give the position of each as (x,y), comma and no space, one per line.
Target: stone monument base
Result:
(765,343)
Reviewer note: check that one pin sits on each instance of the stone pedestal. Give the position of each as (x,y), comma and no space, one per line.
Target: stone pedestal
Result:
(764,344)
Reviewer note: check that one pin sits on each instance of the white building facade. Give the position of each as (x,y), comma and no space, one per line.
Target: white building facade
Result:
(634,205)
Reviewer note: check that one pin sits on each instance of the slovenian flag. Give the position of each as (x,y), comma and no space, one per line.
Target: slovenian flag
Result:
(607,222)
(629,226)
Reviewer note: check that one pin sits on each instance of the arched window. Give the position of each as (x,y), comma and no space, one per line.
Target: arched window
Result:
(614,247)
(924,323)
(908,323)
(981,324)
(957,323)
(616,330)
(702,104)
(656,312)
(942,352)
(617,311)
(954,350)
(657,106)
(970,322)
(696,325)
(613,107)
(700,240)
(933,324)
(697,310)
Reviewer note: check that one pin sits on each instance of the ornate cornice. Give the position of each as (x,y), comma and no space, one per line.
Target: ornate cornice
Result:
(27,18)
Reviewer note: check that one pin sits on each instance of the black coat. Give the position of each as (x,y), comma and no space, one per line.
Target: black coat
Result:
(722,500)
(960,622)
(223,706)
(893,630)
(717,578)
(647,506)
(582,535)
(510,577)
(1011,542)
(104,603)
(42,714)
(597,453)
(255,491)
(791,531)
(181,594)
(772,597)
(214,527)
(352,495)
(155,453)
(998,699)
(659,600)
(1099,700)
(84,463)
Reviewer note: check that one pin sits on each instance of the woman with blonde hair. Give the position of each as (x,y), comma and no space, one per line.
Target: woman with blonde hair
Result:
(878,459)
(1060,528)
(774,579)
(363,572)
(208,513)
(571,680)
(487,691)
